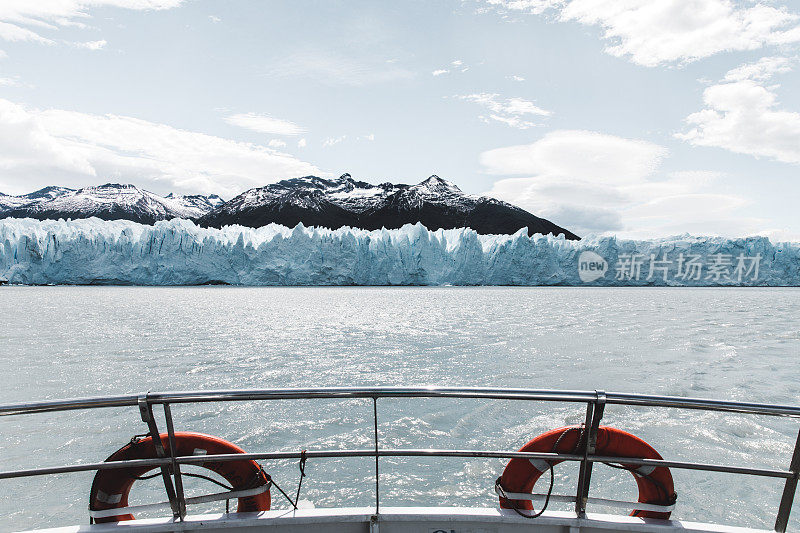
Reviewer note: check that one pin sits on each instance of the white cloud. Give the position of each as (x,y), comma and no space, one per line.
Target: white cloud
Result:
(535,7)
(652,32)
(47,147)
(781,234)
(92,45)
(516,78)
(681,206)
(330,141)
(10,81)
(761,70)
(590,182)
(17,16)
(331,68)
(508,111)
(264,124)
(302,143)
(457,65)
(12,32)
(512,121)
(742,115)
(276,143)
(582,154)
(214,19)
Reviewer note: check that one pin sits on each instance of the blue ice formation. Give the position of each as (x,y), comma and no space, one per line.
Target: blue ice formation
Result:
(177,252)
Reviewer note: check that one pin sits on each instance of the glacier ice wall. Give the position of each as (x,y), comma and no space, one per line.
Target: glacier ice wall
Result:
(177,252)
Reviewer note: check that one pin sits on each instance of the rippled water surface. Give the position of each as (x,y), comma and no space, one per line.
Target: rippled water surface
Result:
(733,344)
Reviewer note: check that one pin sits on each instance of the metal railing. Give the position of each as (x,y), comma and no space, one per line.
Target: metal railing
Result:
(595,402)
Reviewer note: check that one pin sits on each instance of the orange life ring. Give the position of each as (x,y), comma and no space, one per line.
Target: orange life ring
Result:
(655,483)
(111,488)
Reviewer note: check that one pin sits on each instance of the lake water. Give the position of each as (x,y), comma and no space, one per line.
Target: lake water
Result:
(732,344)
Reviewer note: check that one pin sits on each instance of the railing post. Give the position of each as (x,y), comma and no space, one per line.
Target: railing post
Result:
(594,412)
(580,505)
(377,471)
(789,490)
(176,468)
(146,411)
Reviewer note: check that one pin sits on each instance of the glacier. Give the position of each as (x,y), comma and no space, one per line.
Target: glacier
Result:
(178,252)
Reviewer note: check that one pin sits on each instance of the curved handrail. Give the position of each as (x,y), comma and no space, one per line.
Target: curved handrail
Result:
(595,403)
(400,452)
(615,398)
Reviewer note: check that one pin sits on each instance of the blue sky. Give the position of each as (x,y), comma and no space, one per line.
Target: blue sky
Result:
(641,118)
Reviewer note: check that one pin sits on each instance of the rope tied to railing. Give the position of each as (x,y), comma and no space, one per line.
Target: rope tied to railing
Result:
(302,466)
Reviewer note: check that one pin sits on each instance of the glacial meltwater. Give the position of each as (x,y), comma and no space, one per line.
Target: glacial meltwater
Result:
(733,344)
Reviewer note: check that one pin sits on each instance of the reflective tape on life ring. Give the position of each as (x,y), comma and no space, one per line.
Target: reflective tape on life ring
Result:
(645,470)
(540,464)
(110,499)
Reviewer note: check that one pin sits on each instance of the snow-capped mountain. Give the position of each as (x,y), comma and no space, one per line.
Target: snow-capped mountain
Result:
(110,202)
(333,203)
(8,201)
(314,201)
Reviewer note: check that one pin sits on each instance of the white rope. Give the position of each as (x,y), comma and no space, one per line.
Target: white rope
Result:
(189,501)
(571,499)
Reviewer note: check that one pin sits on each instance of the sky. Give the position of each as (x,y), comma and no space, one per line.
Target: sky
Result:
(640,118)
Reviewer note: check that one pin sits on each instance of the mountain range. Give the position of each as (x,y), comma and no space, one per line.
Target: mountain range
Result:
(109,202)
(314,201)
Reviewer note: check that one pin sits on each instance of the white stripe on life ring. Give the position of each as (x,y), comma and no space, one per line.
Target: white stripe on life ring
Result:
(105,513)
(524,496)
(540,465)
(646,470)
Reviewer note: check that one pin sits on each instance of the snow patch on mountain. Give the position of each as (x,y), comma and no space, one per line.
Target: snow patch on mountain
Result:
(200,203)
(178,252)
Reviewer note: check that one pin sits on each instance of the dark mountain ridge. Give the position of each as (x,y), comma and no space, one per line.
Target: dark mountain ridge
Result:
(333,203)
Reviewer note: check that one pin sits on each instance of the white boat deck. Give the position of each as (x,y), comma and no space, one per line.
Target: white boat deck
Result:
(401,520)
